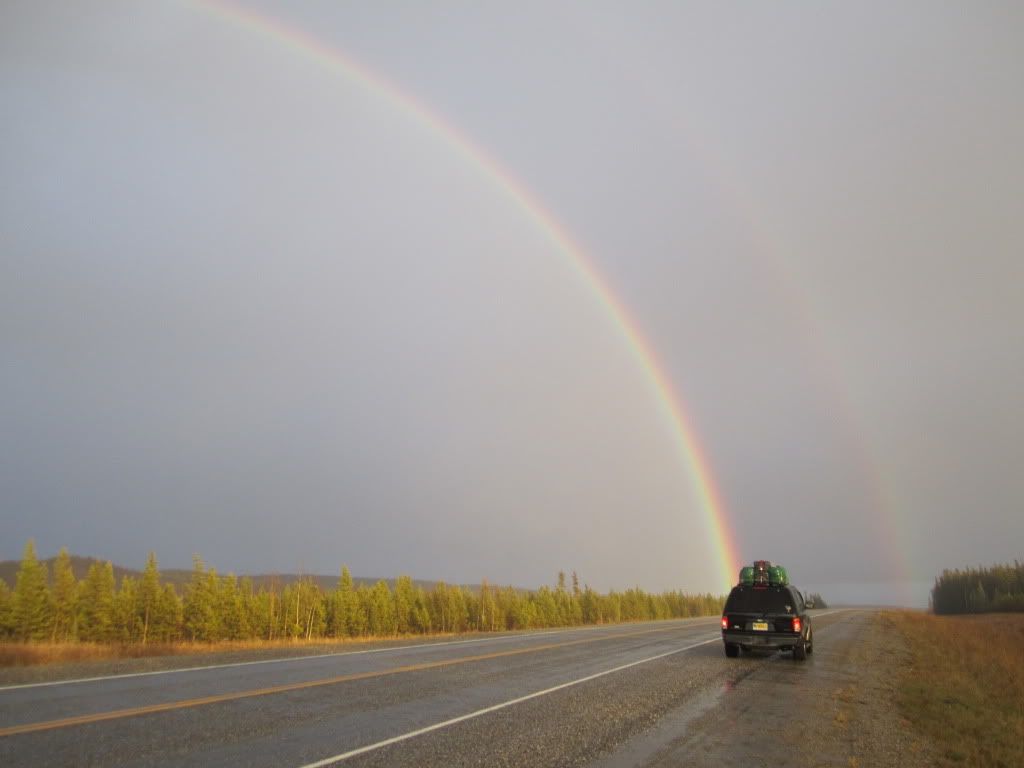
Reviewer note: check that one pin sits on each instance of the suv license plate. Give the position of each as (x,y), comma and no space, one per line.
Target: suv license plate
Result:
(761,626)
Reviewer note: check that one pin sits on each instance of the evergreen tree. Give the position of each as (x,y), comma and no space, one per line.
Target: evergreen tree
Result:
(381,616)
(439,607)
(149,595)
(404,595)
(200,615)
(458,611)
(65,599)
(361,613)
(349,605)
(233,618)
(165,624)
(6,611)
(546,608)
(421,612)
(96,603)
(126,627)
(32,608)
(344,606)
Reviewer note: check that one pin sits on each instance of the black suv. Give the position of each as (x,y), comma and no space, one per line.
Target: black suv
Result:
(770,617)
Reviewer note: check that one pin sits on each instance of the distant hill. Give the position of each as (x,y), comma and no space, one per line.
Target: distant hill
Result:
(179,577)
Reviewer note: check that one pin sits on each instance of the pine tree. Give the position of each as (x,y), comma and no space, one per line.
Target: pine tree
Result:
(546,607)
(148,596)
(126,628)
(348,607)
(421,612)
(165,624)
(381,618)
(457,609)
(439,607)
(404,595)
(6,611)
(337,614)
(32,608)
(200,616)
(231,607)
(65,599)
(361,613)
(96,603)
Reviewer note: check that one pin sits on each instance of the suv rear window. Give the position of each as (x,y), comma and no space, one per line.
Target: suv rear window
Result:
(750,600)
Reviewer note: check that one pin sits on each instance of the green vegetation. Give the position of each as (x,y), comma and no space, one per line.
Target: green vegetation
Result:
(964,687)
(215,608)
(979,590)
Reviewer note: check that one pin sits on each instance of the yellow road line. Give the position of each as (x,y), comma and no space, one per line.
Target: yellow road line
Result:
(118,714)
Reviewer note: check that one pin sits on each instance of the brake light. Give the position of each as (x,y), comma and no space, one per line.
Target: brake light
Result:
(725,622)
(797,625)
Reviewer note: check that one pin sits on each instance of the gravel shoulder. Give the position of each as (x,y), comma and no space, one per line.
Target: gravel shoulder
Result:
(836,709)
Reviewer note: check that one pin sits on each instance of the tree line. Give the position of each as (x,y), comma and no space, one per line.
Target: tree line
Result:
(211,607)
(979,590)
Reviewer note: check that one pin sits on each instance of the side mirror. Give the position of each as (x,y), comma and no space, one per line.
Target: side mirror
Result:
(809,604)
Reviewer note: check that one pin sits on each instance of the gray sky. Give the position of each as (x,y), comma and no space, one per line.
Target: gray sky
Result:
(252,309)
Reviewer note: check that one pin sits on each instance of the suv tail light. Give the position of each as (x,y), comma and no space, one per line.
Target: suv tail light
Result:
(797,624)
(725,622)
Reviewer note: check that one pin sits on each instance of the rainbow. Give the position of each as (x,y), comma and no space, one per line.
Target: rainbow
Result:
(670,404)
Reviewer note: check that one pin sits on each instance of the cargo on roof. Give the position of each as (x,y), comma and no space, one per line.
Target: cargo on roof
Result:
(764,573)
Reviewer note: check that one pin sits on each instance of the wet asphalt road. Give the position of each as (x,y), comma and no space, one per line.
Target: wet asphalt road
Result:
(610,695)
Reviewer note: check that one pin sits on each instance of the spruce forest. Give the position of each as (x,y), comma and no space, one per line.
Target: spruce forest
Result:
(980,590)
(211,608)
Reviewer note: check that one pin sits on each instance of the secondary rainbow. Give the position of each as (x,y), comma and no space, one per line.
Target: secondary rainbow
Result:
(669,402)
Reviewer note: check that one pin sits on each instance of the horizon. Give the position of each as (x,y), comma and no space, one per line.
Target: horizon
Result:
(878,592)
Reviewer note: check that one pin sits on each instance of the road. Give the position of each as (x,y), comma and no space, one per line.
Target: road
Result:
(632,694)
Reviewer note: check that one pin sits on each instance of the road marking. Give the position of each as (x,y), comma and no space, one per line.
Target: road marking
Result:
(511,702)
(413,646)
(118,714)
(829,613)
(486,710)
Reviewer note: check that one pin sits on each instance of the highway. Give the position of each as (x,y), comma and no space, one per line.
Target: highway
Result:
(594,695)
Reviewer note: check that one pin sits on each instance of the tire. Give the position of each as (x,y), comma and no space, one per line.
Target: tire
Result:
(810,641)
(732,650)
(800,652)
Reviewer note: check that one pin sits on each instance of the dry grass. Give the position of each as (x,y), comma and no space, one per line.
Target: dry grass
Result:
(964,688)
(34,654)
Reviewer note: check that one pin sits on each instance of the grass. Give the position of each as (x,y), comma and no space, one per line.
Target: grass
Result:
(964,687)
(13,654)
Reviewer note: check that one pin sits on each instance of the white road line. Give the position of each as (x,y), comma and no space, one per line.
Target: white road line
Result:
(437,726)
(419,732)
(829,613)
(414,646)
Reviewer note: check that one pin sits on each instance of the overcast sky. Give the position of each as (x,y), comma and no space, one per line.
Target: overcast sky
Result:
(251,308)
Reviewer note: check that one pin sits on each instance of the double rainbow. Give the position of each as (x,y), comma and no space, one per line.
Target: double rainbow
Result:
(706,494)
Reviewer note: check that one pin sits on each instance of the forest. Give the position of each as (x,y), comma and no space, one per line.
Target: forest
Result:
(58,607)
(979,590)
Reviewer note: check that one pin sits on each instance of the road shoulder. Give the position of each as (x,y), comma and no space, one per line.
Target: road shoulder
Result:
(836,709)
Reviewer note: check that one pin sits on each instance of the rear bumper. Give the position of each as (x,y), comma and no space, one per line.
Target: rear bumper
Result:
(762,639)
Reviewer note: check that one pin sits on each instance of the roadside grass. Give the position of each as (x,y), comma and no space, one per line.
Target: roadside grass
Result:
(964,686)
(35,653)
(16,654)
